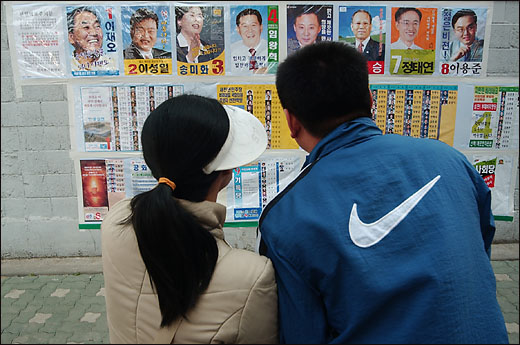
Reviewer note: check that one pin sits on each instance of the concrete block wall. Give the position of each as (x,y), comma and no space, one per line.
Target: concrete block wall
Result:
(39,215)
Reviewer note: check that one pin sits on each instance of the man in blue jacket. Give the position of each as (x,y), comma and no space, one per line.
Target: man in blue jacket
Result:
(381,238)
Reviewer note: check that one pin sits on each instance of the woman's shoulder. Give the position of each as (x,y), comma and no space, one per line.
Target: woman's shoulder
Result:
(119,248)
(120,211)
(242,267)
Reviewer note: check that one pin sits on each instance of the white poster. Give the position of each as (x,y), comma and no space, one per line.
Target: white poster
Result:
(498,171)
(254,186)
(39,42)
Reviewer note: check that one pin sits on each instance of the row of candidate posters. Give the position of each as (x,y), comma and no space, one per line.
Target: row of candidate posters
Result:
(479,120)
(215,38)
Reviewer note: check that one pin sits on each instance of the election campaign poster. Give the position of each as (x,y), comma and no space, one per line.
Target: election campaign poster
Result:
(147,39)
(364,28)
(421,111)
(92,38)
(461,46)
(200,39)
(413,37)
(254,40)
(308,24)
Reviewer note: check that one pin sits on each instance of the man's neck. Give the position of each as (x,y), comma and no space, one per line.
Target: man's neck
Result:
(469,44)
(408,43)
(254,46)
(144,52)
(365,41)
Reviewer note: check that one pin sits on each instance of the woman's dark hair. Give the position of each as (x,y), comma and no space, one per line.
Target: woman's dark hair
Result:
(179,138)
(180,11)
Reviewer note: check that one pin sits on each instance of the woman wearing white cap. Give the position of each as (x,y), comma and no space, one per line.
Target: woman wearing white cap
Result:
(169,275)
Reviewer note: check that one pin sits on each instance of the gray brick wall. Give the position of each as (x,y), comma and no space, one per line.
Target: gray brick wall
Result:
(503,45)
(39,215)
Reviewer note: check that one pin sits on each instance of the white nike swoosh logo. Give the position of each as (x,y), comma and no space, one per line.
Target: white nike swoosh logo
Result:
(366,235)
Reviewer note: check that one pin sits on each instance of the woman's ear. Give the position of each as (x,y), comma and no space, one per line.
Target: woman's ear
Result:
(225,177)
(220,183)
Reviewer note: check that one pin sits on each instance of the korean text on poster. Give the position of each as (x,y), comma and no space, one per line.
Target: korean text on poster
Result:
(364,28)
(254,186)
(413,38)
(107,181)
(200,40)
(421,111)
(146,40)
(93,49)
(494,109)
(263,102)
(254,43)
(308,24)
(497,171)
(38,37)
(461,45)
(113,116)
(94,186)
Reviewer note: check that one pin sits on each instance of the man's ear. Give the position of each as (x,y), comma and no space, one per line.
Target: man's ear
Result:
(71,38)
(294,124)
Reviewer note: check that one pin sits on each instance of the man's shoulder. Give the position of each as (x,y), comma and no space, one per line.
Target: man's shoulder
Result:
(238,45)
(160,53)
(263,42)
(131,52)
(395,45)
(292,44)
(372,42)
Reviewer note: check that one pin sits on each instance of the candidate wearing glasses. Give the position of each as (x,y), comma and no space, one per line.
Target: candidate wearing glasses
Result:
(467,47)
(407,21)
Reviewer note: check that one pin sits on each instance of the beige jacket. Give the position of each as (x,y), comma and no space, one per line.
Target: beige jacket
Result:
(239,306)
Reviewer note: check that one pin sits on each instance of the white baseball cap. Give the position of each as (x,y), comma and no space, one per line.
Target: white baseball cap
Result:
(245,142)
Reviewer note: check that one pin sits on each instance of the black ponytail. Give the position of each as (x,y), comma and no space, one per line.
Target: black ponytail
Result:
(179,138)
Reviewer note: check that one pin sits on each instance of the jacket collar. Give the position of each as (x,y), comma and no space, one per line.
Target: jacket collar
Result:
(345,135)
(210,214)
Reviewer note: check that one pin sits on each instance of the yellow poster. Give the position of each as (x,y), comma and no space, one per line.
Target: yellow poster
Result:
(263,102)
(421,111)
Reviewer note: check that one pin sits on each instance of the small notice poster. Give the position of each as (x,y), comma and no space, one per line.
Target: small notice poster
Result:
(94,184)
(39,42)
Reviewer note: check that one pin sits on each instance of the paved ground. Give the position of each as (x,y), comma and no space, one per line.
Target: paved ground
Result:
(70,308)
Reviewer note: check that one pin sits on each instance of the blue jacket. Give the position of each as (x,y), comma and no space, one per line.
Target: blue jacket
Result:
(422,274)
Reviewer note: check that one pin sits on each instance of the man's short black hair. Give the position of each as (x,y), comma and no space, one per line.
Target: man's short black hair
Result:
(142,14)
(247,12)
(307,9)
(463,13)
(362,11)
(323,85)
(72,14)
(403,10)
